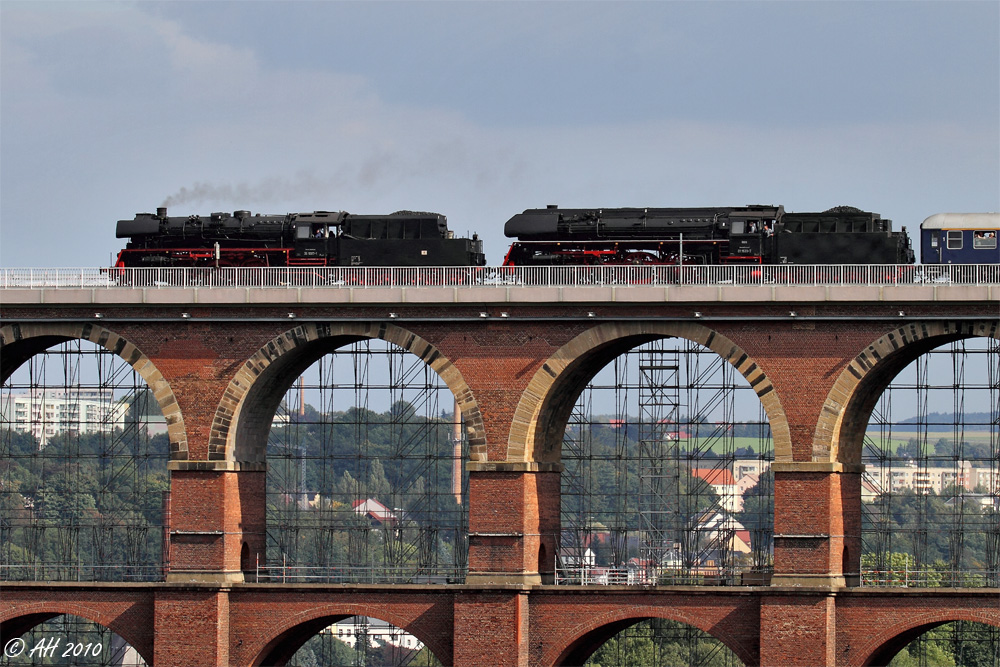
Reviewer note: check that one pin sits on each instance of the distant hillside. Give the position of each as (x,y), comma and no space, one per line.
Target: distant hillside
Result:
(942,421)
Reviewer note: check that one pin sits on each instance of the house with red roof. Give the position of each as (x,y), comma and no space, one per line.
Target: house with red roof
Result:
(379,514)
(722,482)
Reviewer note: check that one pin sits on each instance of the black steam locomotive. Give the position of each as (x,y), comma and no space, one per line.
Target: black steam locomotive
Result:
(690,236)
(321,238)
(549,236)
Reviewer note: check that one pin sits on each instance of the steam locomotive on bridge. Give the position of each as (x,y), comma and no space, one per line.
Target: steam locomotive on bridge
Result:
(320,238)
(555,236)
(665,236)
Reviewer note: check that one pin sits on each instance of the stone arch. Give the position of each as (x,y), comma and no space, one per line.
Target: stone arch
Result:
(582,640)
(19,342)
(32,614)
(243,418)
(880,647)
(289,636)
(541,415)
(848,407)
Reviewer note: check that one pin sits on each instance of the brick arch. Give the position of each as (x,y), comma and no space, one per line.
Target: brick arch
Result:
(848,407)
(582,640)
(879,648)
(19,342)
(32,614)
(285,638)
(243,418)
(541,415)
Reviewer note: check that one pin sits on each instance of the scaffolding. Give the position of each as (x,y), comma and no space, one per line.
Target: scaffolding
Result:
(931,510)
(365,482)
(651,457)
(84,480)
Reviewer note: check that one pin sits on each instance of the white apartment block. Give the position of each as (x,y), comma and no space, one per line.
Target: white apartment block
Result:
(899,476)
(923,479)
(377,632)
(45,413)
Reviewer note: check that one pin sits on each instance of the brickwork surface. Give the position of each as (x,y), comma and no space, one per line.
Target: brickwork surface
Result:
(126,610)
(218,371)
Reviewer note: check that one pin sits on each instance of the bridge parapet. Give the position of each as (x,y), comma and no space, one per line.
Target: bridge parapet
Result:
(497,295)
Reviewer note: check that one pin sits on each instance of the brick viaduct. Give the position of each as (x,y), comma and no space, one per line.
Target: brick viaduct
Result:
(218,362)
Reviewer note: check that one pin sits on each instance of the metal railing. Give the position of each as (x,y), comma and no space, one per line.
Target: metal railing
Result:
(291,574)
(930,578)
(81,572)
(477,276)
(593,575)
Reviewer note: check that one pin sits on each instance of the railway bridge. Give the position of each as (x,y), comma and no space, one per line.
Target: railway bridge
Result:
(515,354)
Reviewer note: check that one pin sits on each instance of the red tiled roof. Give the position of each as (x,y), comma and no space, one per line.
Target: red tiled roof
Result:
(714,476)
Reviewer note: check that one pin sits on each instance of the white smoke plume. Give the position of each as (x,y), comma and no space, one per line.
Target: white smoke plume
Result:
(450,160)
(270,189)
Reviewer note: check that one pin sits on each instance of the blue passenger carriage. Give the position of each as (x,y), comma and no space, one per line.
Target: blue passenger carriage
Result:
(960,238)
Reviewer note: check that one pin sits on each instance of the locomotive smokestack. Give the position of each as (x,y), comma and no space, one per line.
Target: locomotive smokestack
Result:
(161,212)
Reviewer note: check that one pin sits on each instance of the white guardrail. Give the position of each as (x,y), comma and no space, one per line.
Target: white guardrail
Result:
(478,276)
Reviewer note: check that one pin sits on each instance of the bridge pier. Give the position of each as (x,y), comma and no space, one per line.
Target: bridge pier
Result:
(191,627)
(491,628)
(513,523)
(217,522)
(817,524)
(798,628)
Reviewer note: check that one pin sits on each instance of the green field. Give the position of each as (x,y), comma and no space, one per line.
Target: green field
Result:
(721,445)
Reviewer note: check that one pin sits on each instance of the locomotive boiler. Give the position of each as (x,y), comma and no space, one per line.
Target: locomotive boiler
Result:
(723,235)
(320,238)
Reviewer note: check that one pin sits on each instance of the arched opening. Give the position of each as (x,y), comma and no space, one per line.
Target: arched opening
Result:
(666,472)
(245,565)
(931,488)
(649,641)
(955,643)
(348,641)
(366,479)
(84,479)
(56,639)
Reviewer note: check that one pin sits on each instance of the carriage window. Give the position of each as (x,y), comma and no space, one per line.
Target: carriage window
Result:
(955,240)
(984,240)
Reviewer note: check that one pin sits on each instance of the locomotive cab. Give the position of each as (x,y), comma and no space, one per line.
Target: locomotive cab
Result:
(313,232)
(308,243)
(750,229)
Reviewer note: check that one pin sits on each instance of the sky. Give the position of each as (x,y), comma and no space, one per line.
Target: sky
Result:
(479,110)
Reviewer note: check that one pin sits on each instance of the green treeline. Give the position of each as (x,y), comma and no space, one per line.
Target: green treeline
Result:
(85,505)
(367,492)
